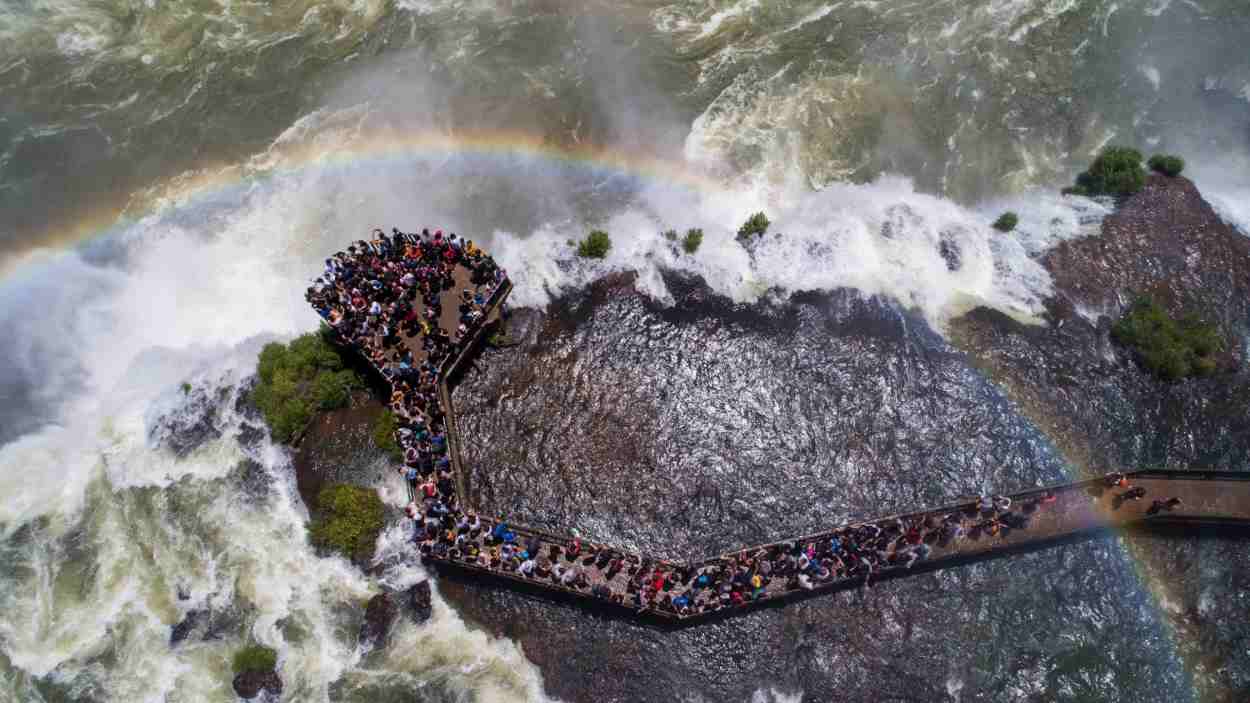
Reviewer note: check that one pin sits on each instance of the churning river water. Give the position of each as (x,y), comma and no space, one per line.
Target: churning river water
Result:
(173,171)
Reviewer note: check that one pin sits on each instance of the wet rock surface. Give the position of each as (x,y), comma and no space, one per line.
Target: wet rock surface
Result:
(251,684)
(195,422)
(337,447)
(380,614)
(1165,242)
(710,425)
(208,623)
(419,605)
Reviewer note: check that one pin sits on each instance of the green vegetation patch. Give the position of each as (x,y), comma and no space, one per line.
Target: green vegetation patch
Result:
(755,226)
(1116,171)
(255,657)
(595,246)
(348,521)
(384,435)
(1006,222)
(692,241)
(1170,348)
(1167,164)
(298,378)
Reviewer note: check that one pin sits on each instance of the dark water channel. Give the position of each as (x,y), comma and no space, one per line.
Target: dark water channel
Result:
(710,425)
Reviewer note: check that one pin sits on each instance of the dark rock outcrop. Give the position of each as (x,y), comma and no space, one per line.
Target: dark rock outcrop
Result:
(207,624)
(380,616)
(1070,379)
(252,478)
(190,622)
(196,421)
(1165,242)
(420,605)
(249,684)
(338,447)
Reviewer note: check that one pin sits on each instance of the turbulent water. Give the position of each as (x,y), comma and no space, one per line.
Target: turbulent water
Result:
(172,172)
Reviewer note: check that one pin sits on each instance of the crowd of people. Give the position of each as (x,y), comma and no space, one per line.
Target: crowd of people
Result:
(385,298)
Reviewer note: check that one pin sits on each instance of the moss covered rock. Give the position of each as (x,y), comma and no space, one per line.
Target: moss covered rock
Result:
(348,520)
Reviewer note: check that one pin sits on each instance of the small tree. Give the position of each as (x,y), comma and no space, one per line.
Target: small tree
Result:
(670,234)
(755,226)
(255,658)
(298,378)
(1169,348)
(692,240)
(384,435)
(1116,171)
(1167,164)
(333,389)
(1006,222)
(595,246)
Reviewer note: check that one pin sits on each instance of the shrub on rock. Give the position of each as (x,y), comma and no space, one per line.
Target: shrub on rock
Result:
(1116,171)
(348,520)
(1171,349)
(755,226)
(296,378)
(595,246)
(255,658)
(1167,164)
(1006,222)
(384,435)
(692,241)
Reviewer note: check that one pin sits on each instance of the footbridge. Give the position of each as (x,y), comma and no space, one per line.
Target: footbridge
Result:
(449,533)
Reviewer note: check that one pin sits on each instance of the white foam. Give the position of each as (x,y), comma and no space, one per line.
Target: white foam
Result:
(196,292)
(714,23)
(80,40)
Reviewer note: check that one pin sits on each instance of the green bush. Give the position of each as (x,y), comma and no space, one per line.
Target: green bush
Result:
(755,226)
(255,657)
(595,245)
(1169,348)
(384,435)
(348,521)
(1166,164)
(1006,222)
(297,378)
(1116,171)
(333,389)
(186,388)
(670,234)
(692,241)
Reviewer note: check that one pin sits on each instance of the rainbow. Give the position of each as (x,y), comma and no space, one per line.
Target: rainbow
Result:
(348,148)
